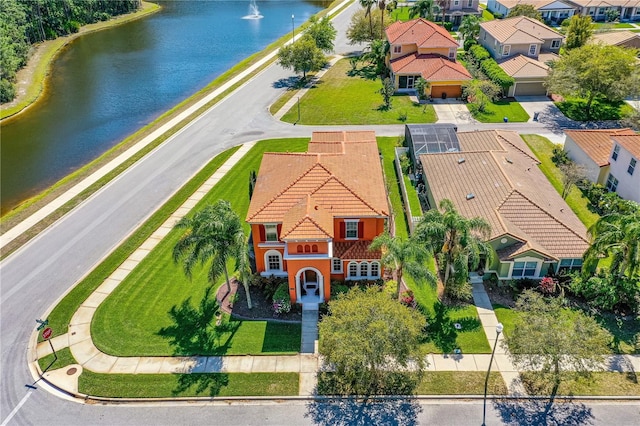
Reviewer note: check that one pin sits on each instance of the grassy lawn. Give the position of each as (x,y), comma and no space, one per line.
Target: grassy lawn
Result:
(601,383)
(401,14)
(387,146)
(601,26)
(486,15)
(460,383)
(157,284)
(600,109)
(414,201)
(181,385)
(496,111)
(340,99)
(64,358)
(543,150)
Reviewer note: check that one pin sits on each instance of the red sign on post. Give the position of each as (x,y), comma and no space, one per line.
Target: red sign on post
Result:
(47,333)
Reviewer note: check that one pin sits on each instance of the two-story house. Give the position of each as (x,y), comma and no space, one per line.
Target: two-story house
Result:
(313,215)
(556,11)
(522,46)
(455,10)
(609,157)
(628,10)
(422,49)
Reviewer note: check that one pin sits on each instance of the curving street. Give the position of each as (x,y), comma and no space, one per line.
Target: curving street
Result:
(34,277)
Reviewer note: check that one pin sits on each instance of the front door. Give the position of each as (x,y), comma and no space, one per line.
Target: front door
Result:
(309,283)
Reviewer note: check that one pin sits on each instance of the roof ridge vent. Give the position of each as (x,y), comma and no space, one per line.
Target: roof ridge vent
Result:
(461,160)
(471,196)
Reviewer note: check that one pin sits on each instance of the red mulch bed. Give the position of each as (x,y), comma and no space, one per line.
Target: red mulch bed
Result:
(261,310)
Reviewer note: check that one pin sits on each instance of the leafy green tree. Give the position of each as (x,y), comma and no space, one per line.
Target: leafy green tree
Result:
(322,32)
(421,86)
(368,5)
(480,93)
(595,71)
(387,91)
(578,32)
(368,337)
(458,242)
(403,255)
(422,9)
(302,56)
(572,173)
(616,235)
(469,27)
(376,55)
(212,234)
(611,15)
(551,339)
(443,5)
(359,31)
(525,10)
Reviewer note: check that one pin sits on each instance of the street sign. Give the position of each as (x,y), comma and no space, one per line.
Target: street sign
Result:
(47,333)
(42,324)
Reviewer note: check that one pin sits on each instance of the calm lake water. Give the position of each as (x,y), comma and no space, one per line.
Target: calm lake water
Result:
(107,84)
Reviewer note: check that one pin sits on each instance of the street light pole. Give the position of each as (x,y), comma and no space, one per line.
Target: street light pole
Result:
(499,329)
(293,29)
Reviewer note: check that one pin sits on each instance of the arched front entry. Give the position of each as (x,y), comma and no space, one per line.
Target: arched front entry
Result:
(309,286)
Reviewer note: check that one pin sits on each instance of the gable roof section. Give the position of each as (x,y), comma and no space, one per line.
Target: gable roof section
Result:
(539,4)
(615,38)
(509,191)
(420,32)
(524,66)
(355,250)
(607,3)
(431,67)
(519,30)
(629,142)
(597,143)
(340,176)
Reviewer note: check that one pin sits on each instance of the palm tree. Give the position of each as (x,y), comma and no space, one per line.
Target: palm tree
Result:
(243,268)
(469,27)
(616,235)
(214,233)
(443,5)
(423,9)
(403,255)
(382,5)
(459,241)
(368,4)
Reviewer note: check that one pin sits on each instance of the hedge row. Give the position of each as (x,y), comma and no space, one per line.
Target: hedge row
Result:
(490,67)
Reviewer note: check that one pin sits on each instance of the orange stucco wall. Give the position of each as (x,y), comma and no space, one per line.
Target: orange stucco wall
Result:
(372,228)
(322,265)
(308,246)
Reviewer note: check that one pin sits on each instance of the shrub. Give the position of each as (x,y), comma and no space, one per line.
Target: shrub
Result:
(402,116)
(461,291)
(479,53)
(559,155)
(468,43)
(405,163)
(7,91)
(338,288)
(268,285)
(281,299)
(605,291)
(408,299)
(496,74)
(548,285)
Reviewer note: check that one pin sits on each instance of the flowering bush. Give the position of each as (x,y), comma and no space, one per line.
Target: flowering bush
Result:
(407,298)
(281,300)
(547,285)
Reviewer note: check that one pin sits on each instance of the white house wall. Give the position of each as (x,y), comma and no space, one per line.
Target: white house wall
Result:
(577,155)
(628,185)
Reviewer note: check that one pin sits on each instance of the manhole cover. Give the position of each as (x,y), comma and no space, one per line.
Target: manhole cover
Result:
(72,371)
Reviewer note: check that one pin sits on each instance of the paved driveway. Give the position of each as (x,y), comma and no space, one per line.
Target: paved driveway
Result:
(548,112)
(452,111)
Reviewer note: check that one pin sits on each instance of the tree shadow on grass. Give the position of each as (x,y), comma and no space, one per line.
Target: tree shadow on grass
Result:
(194,330)
(441,329)
(544,412)
(388,412)
(211,384)
(281,337)
(368,72)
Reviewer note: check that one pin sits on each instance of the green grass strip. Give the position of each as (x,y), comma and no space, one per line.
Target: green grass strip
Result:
(188,385)
(64,358)
(460,383)
(495,112)
(61,315)
(387,146)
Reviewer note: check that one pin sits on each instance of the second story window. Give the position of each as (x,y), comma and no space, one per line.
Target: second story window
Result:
(470,3)
(533,48)
(397,48)
(632,166)
(555,44)
(616,150)
(351,229)
(506,49)
(452,53)
(612,183)
(456,2)
(271,232)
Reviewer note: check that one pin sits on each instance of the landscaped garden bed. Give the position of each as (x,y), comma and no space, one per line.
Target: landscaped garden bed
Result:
(601,109)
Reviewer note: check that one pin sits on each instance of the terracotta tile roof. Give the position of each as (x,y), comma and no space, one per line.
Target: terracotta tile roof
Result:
(420,32)
(631,143)
(597,144)
(524,66)
(607,3)
(537,4)
(515,250)
(355,250)
(431,67)
(614,38)
(519,30)
(509,191)
(340,176)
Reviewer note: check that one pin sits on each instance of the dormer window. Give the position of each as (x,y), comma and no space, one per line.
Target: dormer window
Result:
(397,48)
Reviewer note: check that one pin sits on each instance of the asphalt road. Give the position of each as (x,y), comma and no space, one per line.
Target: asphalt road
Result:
(42,271)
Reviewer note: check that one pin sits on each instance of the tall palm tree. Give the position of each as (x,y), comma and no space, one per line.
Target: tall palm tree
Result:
(443,5)
(469,27)
(458,240)
(403,255)
(382,5)
(616,235)
(368,4)
(213,234)
(243,268)
(423,9)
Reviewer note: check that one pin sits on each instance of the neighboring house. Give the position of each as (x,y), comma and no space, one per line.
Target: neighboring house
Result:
(313,215)
(609,157)
(496,176)
(522,46)
(420,48)
(618,38)
(553,11)
(457,9)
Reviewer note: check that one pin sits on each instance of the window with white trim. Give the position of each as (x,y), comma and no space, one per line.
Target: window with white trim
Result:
(470,3)
(524,269)
(353,269)
(533,48)
(374,270)
(336,265)
(452,53)
(570,264)
(273,261)
(351,229)
(555,44)
(271,232)
(397,48)
(612,183)
(616,151)
(364,269)
(456,2)
(632,166)
(506,49)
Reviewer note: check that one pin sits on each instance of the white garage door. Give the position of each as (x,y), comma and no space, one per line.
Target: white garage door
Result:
(530,89)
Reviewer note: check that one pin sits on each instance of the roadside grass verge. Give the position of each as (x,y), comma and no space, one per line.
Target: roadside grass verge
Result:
(387,146)
(338,98)
(128,322)
(601,109)
(599,384)
(412,195)
(188,385)
(543,150)
(30,206)
(61,315)
(486,15)
(496,111)
(64,358)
